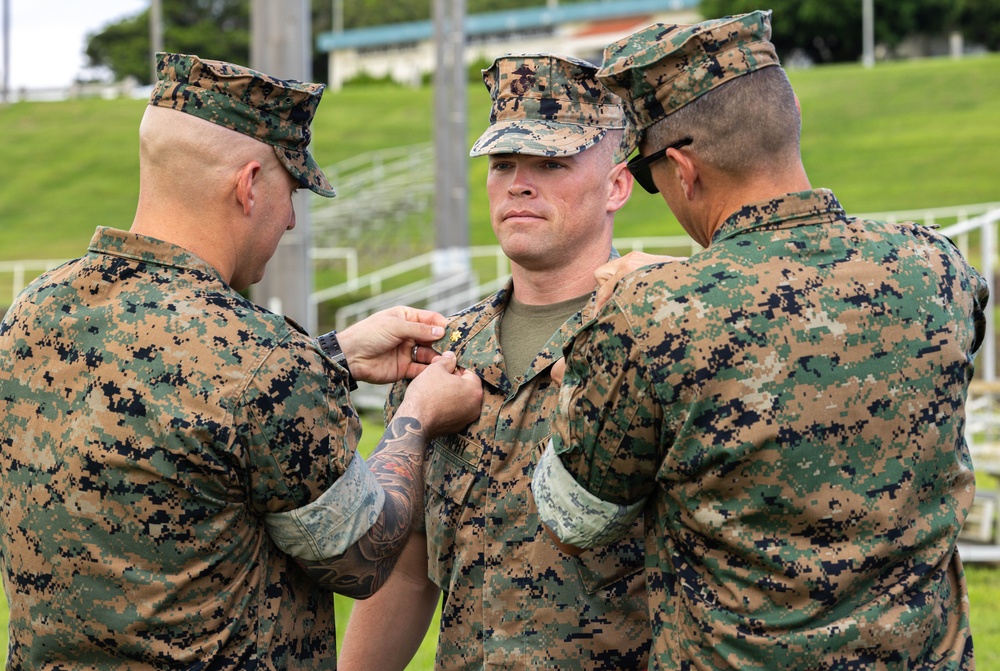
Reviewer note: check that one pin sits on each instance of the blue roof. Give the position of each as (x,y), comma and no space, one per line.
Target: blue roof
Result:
(498,22)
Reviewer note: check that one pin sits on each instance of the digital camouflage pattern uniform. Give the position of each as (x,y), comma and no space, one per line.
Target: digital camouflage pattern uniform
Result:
(787,408)
(546,105)
(512,599)
(157,434)
(790,404)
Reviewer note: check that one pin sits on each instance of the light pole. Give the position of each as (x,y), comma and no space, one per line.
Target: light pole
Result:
(155,31)
(868,33)
(451,253)
(281,45)
(6,50)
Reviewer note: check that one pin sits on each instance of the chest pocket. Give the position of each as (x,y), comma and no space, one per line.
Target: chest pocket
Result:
(624,560)
(449,475)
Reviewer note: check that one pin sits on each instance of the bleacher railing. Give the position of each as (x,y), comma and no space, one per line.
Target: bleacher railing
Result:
(973,228)
(974,231)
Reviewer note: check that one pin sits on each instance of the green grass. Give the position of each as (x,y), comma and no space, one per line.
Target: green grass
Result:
(984,595)
(900,136)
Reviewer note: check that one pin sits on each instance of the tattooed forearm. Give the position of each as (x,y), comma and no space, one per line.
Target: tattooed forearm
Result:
(397,463)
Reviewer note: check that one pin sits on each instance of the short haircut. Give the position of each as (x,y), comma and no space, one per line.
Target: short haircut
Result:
(741,127)
(609,144)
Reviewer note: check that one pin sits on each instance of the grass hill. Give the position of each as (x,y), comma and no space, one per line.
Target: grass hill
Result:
(899,136)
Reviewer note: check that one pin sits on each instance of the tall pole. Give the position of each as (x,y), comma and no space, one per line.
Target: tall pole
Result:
(451,254)
(155,31)
(338,16)
(6,51)
(281,46)
(868,33)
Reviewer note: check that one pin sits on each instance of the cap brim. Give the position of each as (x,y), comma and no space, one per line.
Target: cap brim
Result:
(536,138)
(304,168)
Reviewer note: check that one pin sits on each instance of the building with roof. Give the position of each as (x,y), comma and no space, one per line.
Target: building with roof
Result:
(405,52)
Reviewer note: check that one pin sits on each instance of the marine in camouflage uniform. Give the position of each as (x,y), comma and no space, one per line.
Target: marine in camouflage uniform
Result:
(785,406)
(167,446)
(512,600)
(137,469)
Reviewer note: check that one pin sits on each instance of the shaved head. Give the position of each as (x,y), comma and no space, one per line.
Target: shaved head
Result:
(188,160)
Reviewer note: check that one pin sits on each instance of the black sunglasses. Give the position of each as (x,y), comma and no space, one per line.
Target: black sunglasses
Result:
(639,166)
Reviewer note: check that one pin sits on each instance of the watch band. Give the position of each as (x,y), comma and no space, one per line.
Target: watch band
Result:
(331,346)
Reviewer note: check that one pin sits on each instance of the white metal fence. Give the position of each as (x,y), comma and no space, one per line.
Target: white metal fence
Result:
(16,274)
(973,228)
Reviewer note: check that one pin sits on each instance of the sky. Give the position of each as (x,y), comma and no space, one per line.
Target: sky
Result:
(48,37)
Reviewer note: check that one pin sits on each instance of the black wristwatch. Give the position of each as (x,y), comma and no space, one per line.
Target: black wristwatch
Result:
(328,343)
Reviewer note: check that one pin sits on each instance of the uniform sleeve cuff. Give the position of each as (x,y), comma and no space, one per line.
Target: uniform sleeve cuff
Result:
(332,523)
(573,514)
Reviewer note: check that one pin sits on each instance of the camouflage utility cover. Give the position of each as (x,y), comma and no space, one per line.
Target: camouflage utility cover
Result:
(790,404)
(662,68)
(546,105)
(150,417)
(275,111)
(514,601)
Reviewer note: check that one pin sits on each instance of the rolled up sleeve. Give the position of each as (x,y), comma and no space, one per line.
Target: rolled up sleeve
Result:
(572,513)
(332,523)
(600,466)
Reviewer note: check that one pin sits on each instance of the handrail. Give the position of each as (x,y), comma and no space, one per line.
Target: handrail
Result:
(987,215)
(984,223)
(374,280)
(19,271)
(930,215)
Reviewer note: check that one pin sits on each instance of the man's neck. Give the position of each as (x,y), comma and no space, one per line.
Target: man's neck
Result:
(553,286)
(732,196)
(208,242)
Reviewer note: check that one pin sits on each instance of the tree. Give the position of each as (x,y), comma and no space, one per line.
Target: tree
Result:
(830,30)
(216,29)
(123,48)
(980,21)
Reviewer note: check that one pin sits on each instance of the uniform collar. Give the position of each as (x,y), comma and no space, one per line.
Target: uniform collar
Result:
(792,209)
(145,249)
(473,335)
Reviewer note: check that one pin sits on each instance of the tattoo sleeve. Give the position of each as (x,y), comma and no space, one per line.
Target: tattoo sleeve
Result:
(397,463)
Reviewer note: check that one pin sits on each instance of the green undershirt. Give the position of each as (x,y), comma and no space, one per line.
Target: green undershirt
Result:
(525,330)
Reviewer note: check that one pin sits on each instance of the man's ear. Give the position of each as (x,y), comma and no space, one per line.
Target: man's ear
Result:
(687,171)
(621,187)
(246,180)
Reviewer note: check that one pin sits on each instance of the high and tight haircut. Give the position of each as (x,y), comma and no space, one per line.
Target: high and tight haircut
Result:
(608,145)
(743,126)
